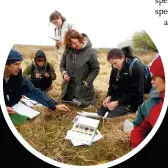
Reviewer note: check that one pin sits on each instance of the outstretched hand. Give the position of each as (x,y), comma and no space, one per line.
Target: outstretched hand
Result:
(62,107)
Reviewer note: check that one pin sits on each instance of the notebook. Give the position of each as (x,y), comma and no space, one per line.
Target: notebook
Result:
(18,119)
(25,110)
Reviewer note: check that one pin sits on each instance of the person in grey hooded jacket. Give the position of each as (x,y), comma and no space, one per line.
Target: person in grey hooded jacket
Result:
(79,68)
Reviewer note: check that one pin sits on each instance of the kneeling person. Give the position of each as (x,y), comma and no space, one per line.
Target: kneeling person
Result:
(125,92)
(41,73)
(15,85)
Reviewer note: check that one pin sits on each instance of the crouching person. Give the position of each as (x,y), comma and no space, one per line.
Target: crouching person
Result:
(149,111)
(79,68)
(15,85)
(41,73)
(125,92)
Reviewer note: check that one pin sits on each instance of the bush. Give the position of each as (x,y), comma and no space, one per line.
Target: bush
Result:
(142,41)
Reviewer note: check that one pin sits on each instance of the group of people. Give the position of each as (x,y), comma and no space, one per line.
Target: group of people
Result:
(79,68)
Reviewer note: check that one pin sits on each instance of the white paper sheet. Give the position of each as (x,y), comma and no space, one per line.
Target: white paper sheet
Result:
(25,110)
(89,114)
(84,138)
(27,102)
(77,142)
(35,103)
(98,136)
(30,102)
(92,114)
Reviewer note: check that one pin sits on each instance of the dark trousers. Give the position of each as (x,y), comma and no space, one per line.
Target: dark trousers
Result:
(120,110)
(42,84)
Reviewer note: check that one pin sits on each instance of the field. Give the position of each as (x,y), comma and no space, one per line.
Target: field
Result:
(46,133)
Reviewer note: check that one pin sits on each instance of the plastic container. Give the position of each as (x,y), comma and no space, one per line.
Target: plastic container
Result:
(128,126)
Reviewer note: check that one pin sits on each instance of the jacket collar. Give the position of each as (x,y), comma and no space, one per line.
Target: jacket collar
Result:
(162,95)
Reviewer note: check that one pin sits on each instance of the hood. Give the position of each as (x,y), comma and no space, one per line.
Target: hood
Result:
(41,54)
(128,52)
(87,42)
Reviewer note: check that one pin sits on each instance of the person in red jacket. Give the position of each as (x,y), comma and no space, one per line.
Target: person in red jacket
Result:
(149,111)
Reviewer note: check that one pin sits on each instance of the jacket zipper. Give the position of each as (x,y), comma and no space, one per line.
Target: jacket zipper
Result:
(75,58)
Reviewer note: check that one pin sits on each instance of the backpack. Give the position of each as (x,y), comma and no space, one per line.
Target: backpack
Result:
(147,78)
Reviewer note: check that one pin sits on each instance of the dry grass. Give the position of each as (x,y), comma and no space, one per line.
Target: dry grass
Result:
(46,133)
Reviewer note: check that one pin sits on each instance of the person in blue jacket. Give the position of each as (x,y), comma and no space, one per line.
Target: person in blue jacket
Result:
(15,85)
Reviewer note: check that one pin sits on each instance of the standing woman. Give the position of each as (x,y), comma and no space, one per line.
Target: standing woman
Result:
(62,26)
(79,67)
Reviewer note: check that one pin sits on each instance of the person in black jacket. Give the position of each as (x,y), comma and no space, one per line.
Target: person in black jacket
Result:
(15,85)
(125,92)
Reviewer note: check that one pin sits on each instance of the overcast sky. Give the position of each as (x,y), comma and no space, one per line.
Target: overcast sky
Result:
(105,23)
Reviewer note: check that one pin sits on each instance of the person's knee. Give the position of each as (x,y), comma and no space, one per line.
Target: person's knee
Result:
(113,114)
(118,111)
(102,110)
